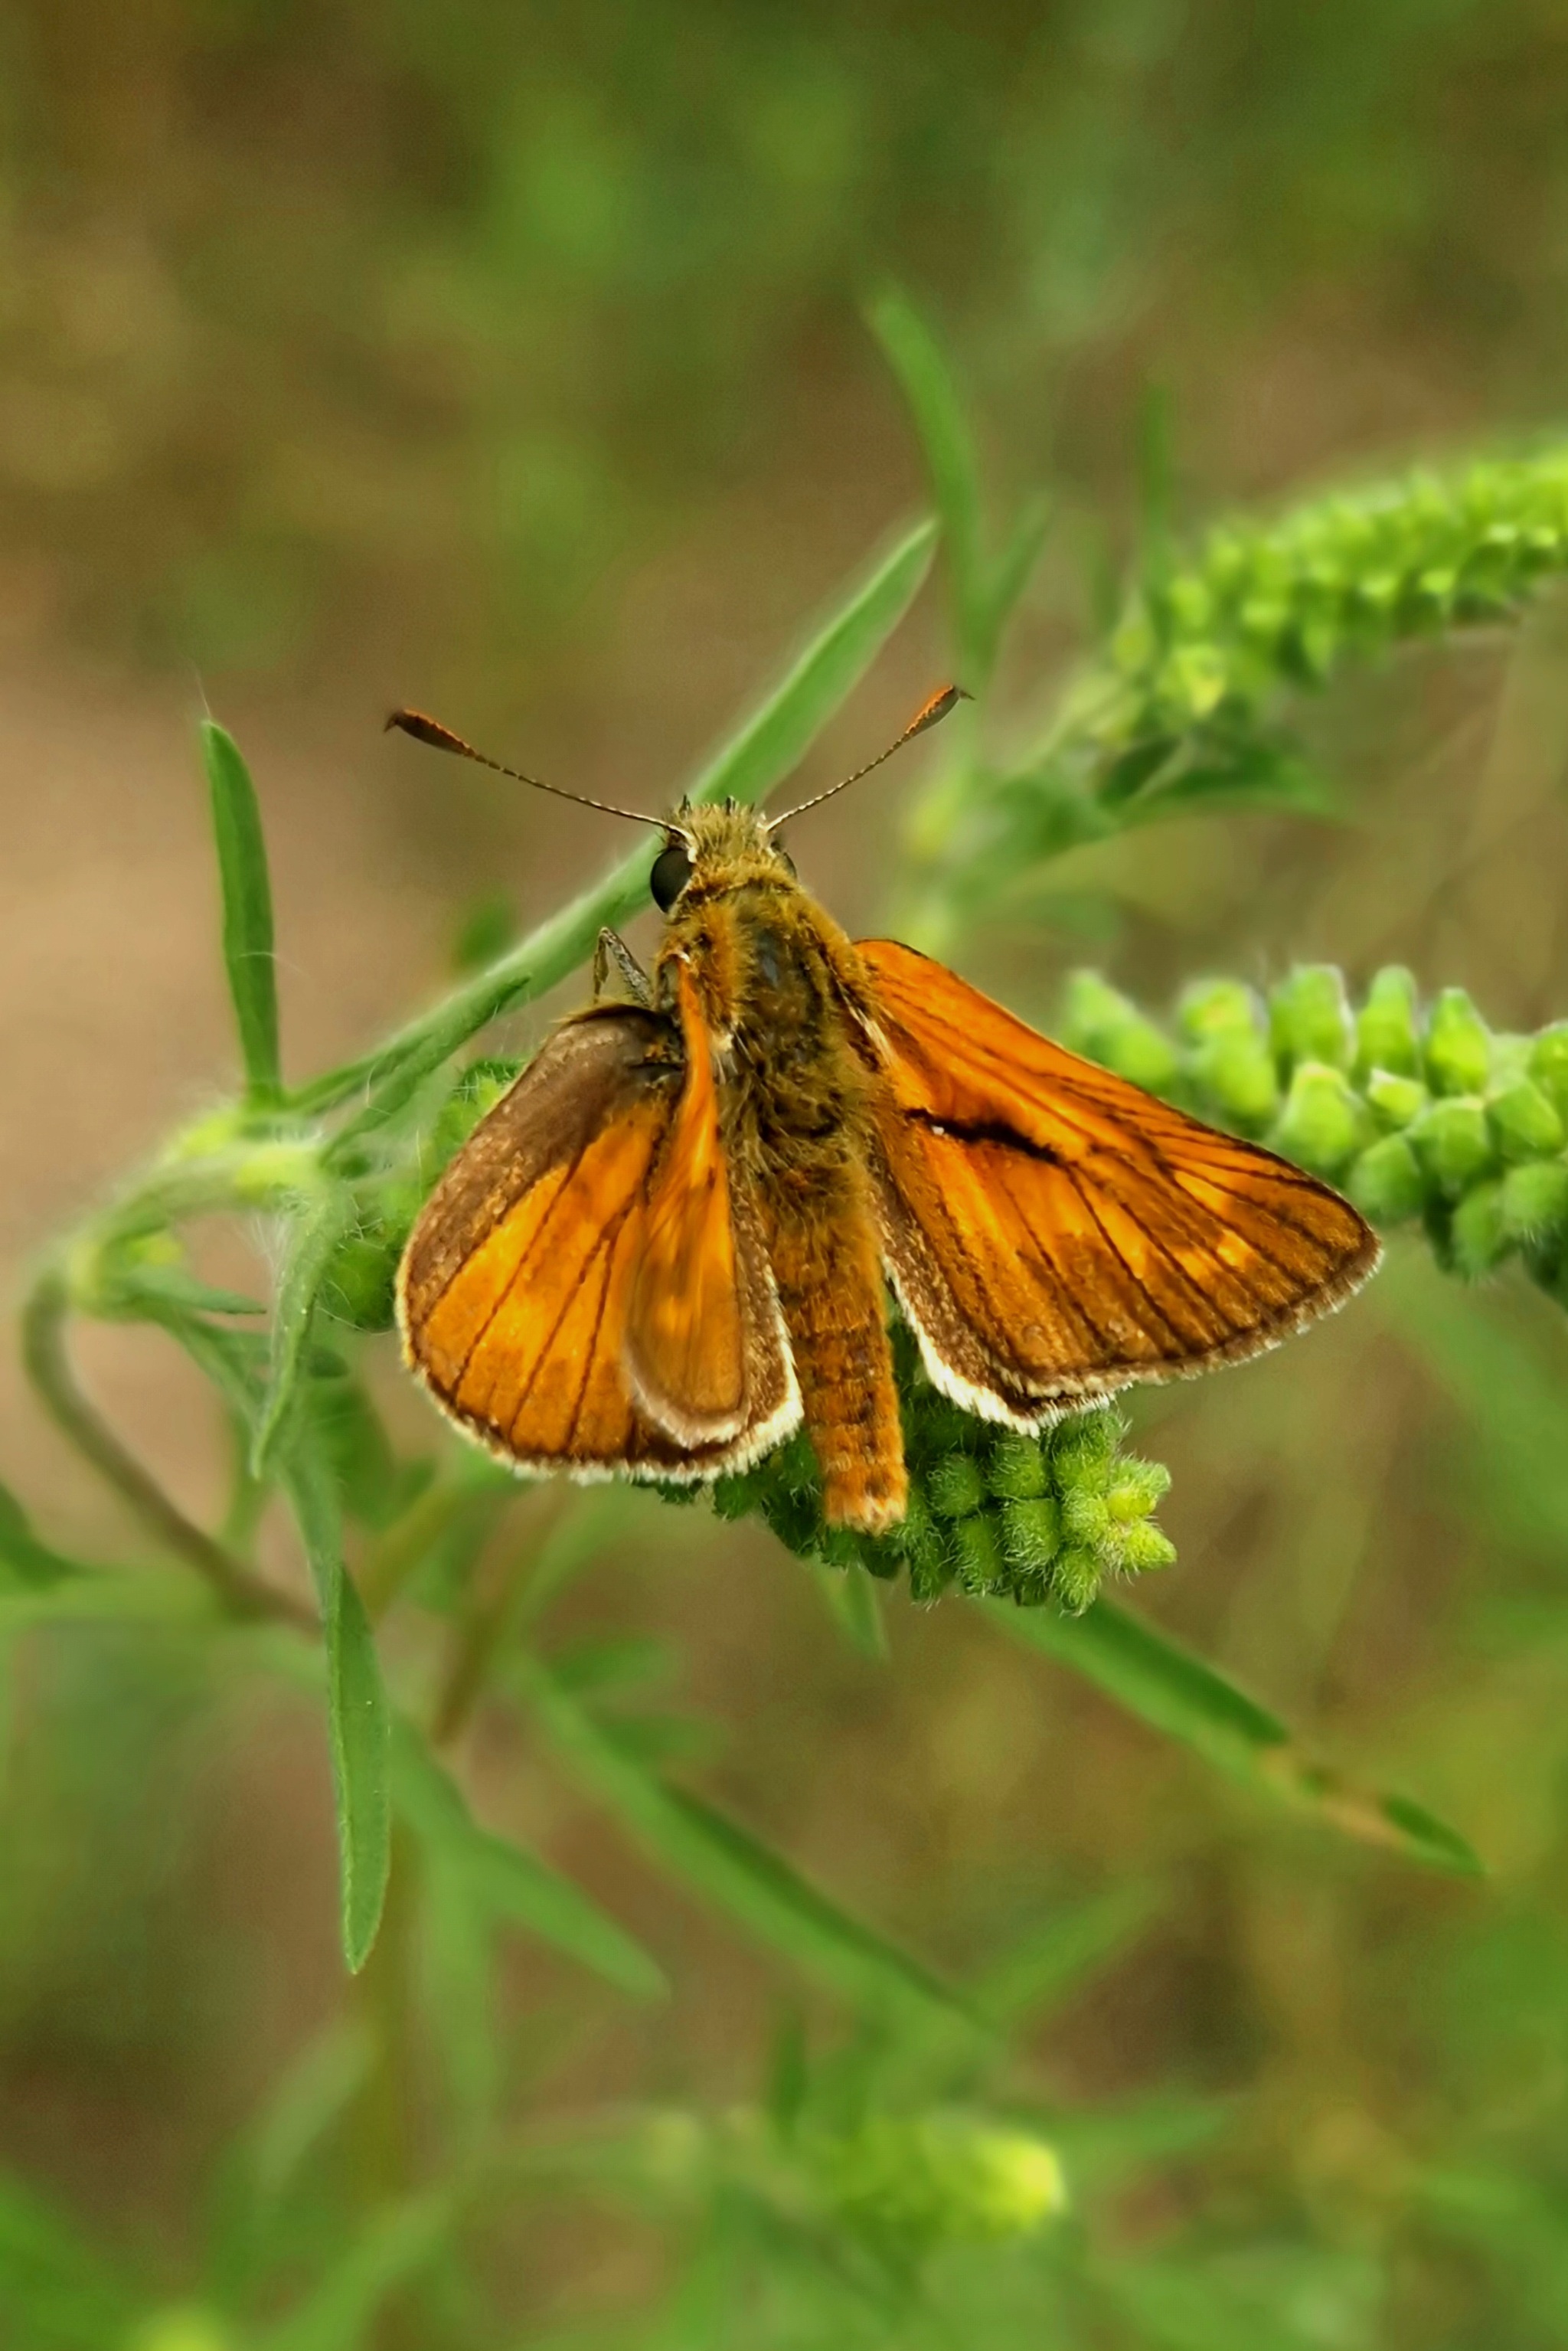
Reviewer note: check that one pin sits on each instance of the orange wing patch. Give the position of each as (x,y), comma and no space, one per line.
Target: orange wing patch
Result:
(685,1329)
(517,1292)
(1053,1232)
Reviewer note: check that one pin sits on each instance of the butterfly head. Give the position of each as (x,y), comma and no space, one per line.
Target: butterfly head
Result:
(714,849)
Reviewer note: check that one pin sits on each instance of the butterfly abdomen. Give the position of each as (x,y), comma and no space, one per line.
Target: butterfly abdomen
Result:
(794,1120)
(829,1279)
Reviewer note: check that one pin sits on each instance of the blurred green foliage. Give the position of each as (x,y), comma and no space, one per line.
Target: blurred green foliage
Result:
(311,315)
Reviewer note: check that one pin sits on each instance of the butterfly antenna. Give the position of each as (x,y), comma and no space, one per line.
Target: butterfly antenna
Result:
(930,714)
(429,730)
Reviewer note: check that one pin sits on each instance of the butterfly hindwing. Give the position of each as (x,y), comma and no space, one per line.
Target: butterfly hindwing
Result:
(1053,1232)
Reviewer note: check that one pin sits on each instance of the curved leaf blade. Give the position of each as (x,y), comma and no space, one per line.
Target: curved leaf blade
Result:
(1176,1693)
(247,912)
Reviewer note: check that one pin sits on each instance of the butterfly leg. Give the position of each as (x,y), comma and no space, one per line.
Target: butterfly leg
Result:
(611,949)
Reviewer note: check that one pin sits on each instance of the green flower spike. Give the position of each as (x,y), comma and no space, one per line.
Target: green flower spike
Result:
(992,1512)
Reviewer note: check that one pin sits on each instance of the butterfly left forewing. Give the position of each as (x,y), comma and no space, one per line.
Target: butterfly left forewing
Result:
(1053,1232)
(517,1289)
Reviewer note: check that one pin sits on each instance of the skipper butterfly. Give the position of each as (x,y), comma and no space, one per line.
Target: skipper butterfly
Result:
(671,1242)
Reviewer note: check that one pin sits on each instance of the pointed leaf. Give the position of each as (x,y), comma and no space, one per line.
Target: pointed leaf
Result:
(248,911)
(1169,1688)
(1045,1966)
(754,1886)
(23,1558)
(916,359)
(357,1716)
(850,1596)
(394,2245)
(509,1884)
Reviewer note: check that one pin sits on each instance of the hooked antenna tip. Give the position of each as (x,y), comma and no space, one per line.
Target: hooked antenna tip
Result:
(930,714)
(424,730)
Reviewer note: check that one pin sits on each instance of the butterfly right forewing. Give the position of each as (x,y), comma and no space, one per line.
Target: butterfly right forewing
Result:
(1053,1232)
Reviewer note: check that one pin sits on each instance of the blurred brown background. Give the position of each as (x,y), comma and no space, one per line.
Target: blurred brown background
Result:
(510,361)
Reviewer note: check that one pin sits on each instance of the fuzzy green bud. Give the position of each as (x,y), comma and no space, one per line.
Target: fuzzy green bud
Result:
(1144,1549)
(1386,1183)
(974,1549)
(1324,1123)
(1081,1447)
(1099,1022)
(1535,1200)
(1524,1120)
(1309,1019)
(1032,1532)
(1478,1234)
(1549,1064)
(1235,1070)
(359,1282)
(1138,1487)
(1076,1576)
(1085,1515)
(1459,1048)
(1395,1100)
(1385,1032)
(955,1487)
(942,2178)
(1453,1142)
(1017,1470)
(1217,1007)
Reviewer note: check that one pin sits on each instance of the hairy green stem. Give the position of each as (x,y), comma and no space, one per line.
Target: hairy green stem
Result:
(49,1367)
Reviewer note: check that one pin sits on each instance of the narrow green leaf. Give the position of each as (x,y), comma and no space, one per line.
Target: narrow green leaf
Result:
(770,743)
(23,1558)
(850,1596)
(509,1884)
(264,2172)
(1014,566)
(1175,1692)
(390,2249)
(1047,1963)
(247,912)
(916,359)
(170,1284)
(357,1717)
(317,1228)
(723,1861)
(56,2288)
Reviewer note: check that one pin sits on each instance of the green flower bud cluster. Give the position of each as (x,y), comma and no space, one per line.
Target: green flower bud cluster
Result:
(994,1512)
(358,1288)
(1412,1112)
(1175,710)
(1265,604)
(939,2178)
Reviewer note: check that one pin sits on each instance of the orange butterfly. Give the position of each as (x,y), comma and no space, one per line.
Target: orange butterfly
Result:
(668,1245)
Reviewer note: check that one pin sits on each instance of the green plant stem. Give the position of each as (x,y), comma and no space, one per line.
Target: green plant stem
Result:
(49,1367)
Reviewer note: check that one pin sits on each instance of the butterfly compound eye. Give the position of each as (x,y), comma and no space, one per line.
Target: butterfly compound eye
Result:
(671,872)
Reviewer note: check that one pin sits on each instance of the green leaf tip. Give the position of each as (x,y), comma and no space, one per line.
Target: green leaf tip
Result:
(1153,1677)
(247,934)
